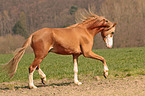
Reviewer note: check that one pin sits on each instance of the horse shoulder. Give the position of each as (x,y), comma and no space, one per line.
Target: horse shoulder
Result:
(86,42)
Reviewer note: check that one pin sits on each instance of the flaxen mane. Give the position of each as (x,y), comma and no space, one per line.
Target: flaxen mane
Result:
(82,15)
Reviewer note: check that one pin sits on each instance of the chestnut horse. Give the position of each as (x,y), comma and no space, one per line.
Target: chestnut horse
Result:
(73,40)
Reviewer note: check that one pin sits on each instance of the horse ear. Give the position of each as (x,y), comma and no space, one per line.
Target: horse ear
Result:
(114,24)
(108,27)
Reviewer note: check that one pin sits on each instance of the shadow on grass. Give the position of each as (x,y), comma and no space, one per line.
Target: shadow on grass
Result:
(14,88)
(60,84)
(38,86)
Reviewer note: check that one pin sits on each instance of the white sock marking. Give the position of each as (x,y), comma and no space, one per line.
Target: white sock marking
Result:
(41,73)
(75,71)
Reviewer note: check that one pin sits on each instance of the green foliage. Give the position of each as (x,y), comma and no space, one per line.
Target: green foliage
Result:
(73,9)
(121,63)
(21,26)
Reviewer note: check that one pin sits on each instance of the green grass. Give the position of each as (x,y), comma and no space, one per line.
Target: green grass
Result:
(121,63)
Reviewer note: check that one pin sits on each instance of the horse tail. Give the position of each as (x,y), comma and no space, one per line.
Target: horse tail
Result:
(12,65)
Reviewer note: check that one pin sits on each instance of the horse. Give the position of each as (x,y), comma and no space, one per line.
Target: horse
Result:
(73,40)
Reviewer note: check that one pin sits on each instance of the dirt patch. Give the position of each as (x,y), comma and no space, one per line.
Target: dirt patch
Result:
(130,86)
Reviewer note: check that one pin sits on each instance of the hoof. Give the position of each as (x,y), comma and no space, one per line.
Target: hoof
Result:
(43,80)
(105,74)
(78,83)
(32,87)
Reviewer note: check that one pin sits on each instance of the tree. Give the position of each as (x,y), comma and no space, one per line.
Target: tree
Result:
(21,26)
(73,9)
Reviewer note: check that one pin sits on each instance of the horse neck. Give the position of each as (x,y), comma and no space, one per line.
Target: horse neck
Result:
(93,32)
(86,24)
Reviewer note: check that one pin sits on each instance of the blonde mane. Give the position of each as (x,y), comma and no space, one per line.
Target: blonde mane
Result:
(83,15)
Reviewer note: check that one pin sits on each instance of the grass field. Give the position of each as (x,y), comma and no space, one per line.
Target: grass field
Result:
(121,63)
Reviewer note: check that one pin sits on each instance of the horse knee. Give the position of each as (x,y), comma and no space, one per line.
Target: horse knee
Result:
(35,65)
(31,69)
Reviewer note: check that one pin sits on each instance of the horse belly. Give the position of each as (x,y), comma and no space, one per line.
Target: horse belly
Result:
(65,51)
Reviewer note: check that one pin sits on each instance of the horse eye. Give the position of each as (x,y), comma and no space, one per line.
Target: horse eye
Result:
(112,33)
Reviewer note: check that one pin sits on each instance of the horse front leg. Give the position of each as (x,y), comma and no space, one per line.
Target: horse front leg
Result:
(95,56)
(75,61)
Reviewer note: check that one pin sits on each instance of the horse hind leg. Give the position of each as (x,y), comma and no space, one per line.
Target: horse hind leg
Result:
(39,56)
(31,84)
(42,75)
(32,68)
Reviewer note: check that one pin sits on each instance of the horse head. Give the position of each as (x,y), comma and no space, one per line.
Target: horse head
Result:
(106,28)
(107,34)
(96,24)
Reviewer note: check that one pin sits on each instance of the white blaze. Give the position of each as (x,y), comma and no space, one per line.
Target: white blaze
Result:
(109,41)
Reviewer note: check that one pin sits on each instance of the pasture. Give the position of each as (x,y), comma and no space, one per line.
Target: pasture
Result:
(122,63)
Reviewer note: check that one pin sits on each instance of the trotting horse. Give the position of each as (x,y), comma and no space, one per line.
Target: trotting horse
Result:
(73,40)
